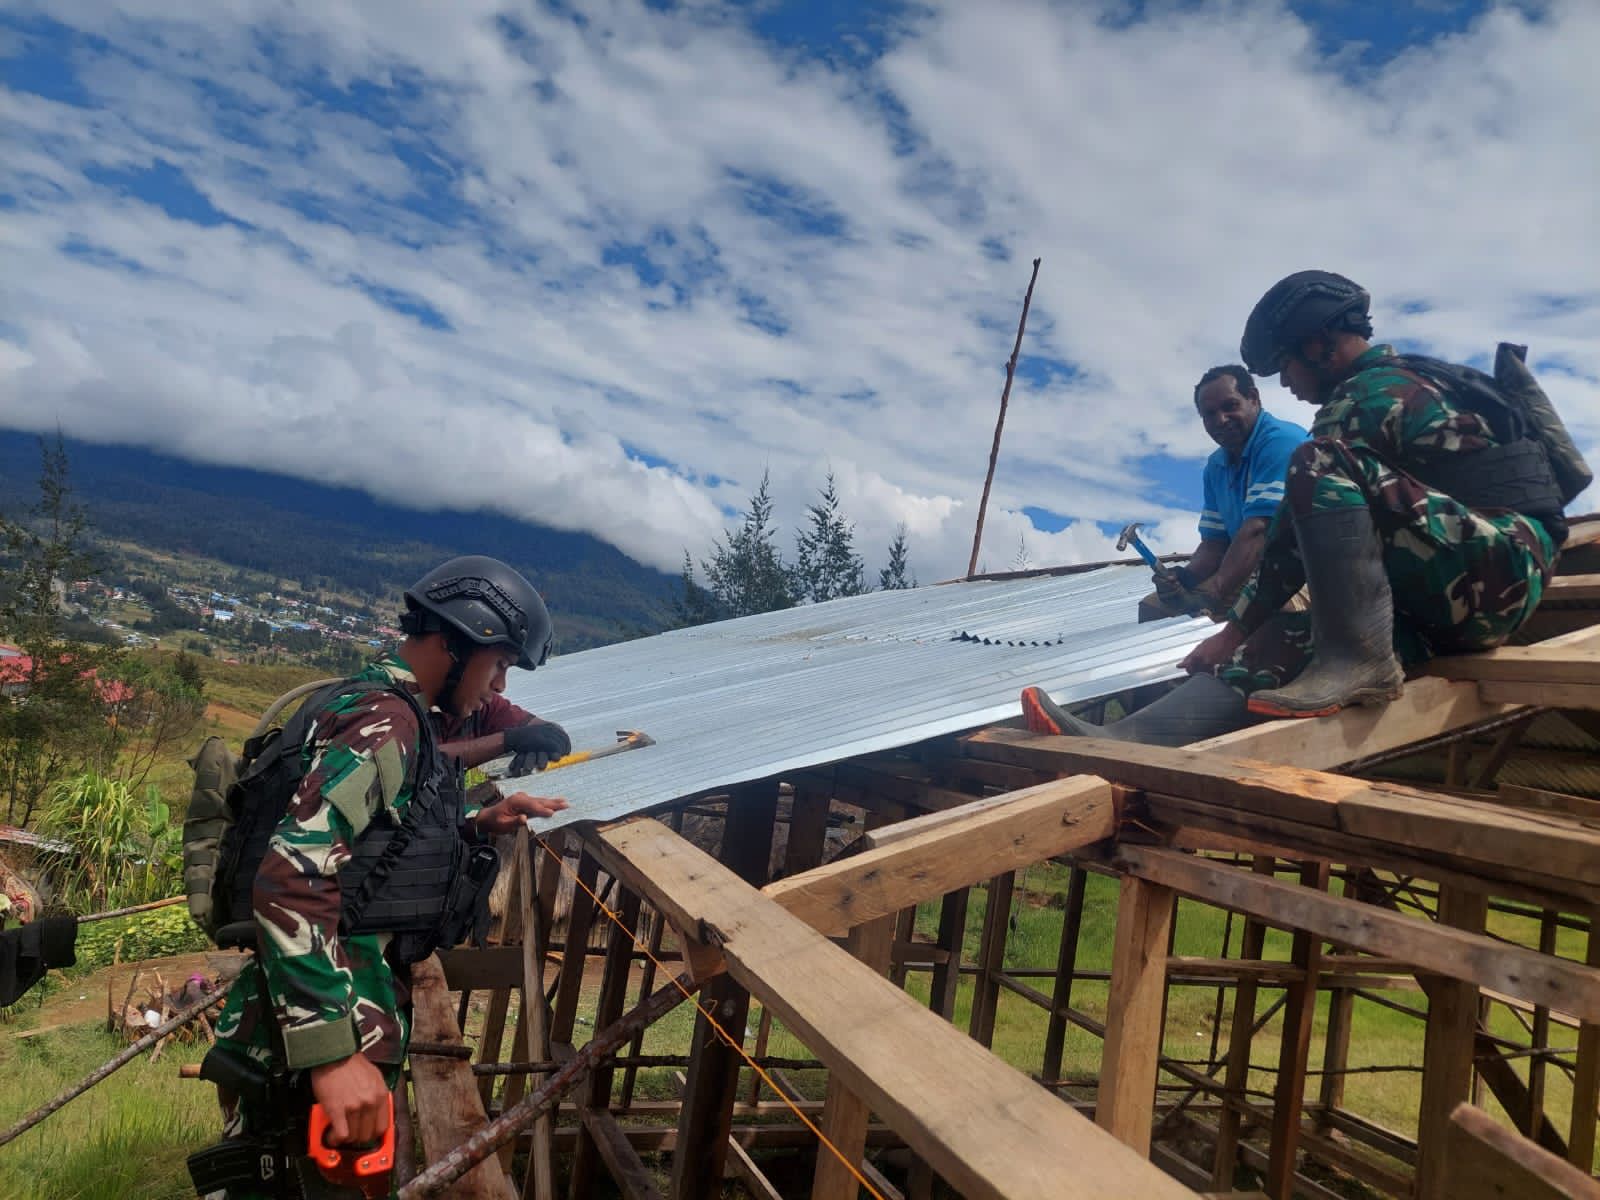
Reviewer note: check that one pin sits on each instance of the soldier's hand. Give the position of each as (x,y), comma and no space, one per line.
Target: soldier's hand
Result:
(510,814)
(355,1097)
(1214,651)
(536,745)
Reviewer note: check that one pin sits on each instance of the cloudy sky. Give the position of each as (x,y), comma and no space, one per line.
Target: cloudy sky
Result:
(602,264)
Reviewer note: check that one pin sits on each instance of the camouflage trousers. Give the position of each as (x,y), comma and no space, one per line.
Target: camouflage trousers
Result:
(1461,580)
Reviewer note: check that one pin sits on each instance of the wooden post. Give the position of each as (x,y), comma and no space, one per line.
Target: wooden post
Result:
(844,1117)
(1586,1078)
(1540,1034)
(1236,1075)
(1055,1036)
(944,984)
(538,894)
(1447,1048)
(647,976)
(596,1091)
(1300,1010)
(1336,1047)
(1126,1105)
(991,957)
(713,1076)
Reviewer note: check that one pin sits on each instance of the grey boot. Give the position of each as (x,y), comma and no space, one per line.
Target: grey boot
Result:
(1200,707)
(1352,620)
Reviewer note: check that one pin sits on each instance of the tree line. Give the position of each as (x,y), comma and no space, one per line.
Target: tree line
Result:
(747,573)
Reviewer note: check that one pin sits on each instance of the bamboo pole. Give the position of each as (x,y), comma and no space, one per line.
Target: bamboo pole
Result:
(182,1018)
(438,1178)
(1000,421)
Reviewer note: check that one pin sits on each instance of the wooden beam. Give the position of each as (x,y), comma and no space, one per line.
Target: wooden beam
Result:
(449,1110)
(1551,695)
(996,1135)
(633,1179)
(1236,1072)
(1134,1013)
(845,1116)
(1387,814)
(1523,664)
(1526,974)
(596,1090)
(1299,1012)
(1586,1078)
(1573,587)
(991,958)
(1487,1161)
(713,1078)
(536,895)
(1427,708)
(1034,824)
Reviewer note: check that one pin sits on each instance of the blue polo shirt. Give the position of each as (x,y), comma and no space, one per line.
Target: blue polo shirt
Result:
(1251,486)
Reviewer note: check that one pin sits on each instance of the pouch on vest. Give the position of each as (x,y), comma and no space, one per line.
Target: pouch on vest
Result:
(1516,383)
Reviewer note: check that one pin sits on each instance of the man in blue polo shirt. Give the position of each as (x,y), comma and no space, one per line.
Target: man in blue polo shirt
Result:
(1243,487)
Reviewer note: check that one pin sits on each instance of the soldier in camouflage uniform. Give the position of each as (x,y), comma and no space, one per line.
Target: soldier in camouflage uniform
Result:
(341,1005)
(1398,569)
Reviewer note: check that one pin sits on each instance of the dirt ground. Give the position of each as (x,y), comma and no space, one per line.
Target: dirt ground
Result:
(83,1001)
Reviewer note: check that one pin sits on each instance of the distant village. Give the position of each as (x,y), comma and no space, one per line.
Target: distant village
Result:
(232,626)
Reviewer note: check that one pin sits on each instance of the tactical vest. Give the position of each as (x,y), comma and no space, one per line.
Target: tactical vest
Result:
(414,877)
(1519,474)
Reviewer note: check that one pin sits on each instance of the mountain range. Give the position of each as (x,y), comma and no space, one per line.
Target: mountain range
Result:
(335,537)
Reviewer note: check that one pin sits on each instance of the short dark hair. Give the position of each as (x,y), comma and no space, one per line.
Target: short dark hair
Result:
(1241,378)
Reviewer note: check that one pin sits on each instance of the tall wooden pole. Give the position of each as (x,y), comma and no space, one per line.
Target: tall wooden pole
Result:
(1000,421)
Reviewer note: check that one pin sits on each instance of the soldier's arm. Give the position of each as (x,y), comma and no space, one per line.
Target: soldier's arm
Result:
(495,717)
(361,759)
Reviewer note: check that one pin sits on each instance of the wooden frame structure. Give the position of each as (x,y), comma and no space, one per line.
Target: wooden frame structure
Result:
(1256,823)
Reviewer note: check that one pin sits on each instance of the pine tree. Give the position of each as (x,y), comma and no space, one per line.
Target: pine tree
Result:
(746,573)
(894,577)
(696,606)
(826,563)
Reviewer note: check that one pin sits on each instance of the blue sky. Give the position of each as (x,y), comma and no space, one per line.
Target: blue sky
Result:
(603,265)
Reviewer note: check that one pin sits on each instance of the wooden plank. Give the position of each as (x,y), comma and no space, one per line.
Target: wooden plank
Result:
(1486,1161)
(1299,1012)
(1586,1078)
(1037,823)
(845,1116)
(449,1110)
(1573,587)
(1551,695)
(984,1126)
(1427,708)
(1258,833)
(1474,958)
(713,1078)
(596,1092)
(1236,1071)
(991,958)
(1055,1036)
(633,1179)
(1514,795)
(1134,1013)
(1523,664)
(540,1179)
(1289,792)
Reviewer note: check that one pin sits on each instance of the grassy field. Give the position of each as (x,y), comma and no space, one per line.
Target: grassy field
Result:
(129,1135)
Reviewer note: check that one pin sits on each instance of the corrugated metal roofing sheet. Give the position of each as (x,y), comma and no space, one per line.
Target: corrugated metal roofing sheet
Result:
(749,698)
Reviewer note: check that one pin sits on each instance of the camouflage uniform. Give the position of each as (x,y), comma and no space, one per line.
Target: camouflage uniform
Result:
(331,995)
(1462,579)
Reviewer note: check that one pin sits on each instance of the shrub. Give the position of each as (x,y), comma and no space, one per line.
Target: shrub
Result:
(157,934)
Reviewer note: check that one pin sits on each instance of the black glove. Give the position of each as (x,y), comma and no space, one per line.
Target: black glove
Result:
(536,745)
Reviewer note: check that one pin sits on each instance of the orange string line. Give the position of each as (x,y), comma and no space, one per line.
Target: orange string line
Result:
(711,1020)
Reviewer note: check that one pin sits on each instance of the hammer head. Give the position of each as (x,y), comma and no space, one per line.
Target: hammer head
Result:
(1130,532)
(635,738)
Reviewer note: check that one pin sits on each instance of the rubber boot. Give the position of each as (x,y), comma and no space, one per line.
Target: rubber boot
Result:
(1352,620)
(1202,706)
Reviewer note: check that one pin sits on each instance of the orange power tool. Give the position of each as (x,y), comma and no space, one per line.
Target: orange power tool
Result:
(363,1167)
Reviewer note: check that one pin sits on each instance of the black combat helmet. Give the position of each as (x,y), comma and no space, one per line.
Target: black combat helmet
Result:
(1298,307)
(485,601)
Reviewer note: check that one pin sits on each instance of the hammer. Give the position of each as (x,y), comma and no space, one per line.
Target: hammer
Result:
(627,739)
(1130,536)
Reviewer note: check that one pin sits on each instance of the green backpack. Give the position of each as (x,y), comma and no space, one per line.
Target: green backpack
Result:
(216,771)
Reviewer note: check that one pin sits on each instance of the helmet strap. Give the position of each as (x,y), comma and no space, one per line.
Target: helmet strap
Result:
(460,651)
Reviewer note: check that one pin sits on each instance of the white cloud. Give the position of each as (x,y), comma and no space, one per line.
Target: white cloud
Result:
(1166,169)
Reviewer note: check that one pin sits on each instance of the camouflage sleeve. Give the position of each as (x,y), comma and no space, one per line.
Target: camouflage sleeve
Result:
(359,756)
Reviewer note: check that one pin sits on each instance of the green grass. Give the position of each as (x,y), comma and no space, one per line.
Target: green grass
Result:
(126,1137)
(129,1135)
